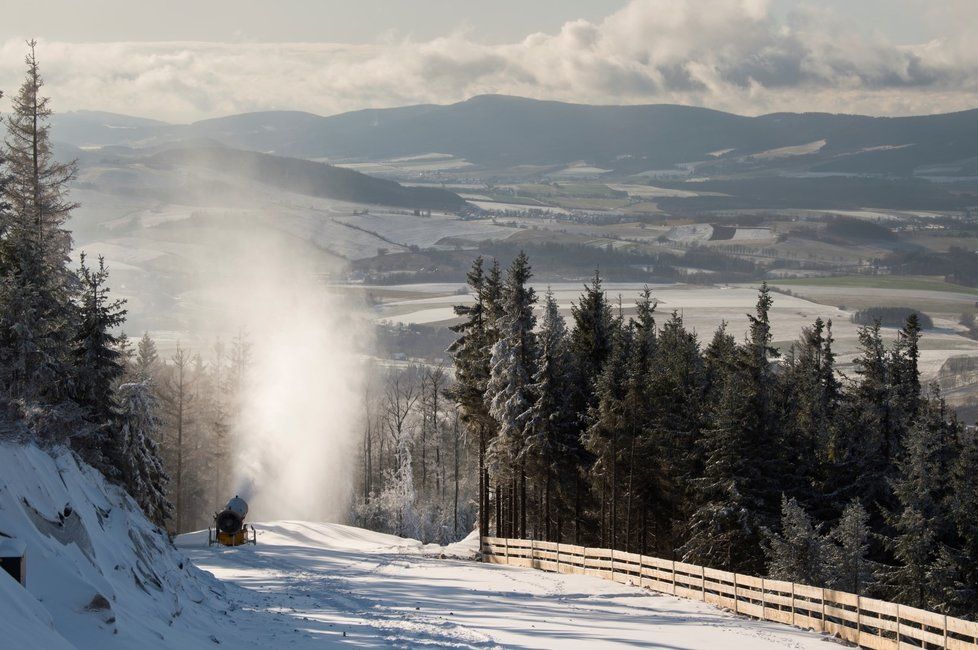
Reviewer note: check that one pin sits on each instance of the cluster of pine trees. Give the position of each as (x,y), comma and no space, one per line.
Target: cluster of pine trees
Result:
(633,434)
(194,401)
(63,371)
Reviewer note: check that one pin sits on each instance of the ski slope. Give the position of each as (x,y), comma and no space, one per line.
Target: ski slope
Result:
(308,585)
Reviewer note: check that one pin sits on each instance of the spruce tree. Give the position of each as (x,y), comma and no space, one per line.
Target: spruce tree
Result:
(551,446)
(851,570)
(798,553)
(905,370)
(920,521)
(862,453)
(509,392)
(810,400)
(471,352)
(738,493)
(98,364)
(147,358)
(591,341)
(610,423)
(136,452)
(671,456)
(36,286)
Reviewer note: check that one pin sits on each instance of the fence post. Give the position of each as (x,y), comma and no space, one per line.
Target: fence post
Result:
(823,608)
(898,625)
(736,596)
(673,564)
(763,601)
(558,557)
(612,551)
(584,561)
(859,615)
(792,603)
(506,548)
(703,583)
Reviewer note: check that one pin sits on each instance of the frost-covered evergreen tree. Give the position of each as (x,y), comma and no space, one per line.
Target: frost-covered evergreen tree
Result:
(551,445)
(810,398)
(741,477)
(509,392)
(850,568)
(147,359)
(472,352)
(669,458)
(136,454)
(36,285)
(919,521)
(591,341)
(98,363)
(798,552)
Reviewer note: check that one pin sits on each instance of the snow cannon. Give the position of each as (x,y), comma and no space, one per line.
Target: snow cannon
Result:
(230,528)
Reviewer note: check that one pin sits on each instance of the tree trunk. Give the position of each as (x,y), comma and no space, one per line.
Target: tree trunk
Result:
(522,500)
(499,511)
(483,488)
(546,510)
(613,532)
(628,506)
(455,507)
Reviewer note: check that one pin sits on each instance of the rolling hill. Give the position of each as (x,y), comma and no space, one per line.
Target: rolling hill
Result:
(308,177)
(500,131)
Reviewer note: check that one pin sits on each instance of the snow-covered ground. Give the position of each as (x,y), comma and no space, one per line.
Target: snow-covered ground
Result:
(100,576)
(316,585)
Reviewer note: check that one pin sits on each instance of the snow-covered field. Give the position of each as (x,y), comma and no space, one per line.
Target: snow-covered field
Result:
(703,308)
(315,585)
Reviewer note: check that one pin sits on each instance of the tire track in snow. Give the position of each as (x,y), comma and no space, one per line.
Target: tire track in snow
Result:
(322,592)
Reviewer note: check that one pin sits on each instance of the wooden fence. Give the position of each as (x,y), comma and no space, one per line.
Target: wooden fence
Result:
(867,622)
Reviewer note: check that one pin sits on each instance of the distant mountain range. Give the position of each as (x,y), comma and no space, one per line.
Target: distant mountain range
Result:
(499,132)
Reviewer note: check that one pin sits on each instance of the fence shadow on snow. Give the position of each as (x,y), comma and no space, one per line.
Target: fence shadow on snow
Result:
(866,622)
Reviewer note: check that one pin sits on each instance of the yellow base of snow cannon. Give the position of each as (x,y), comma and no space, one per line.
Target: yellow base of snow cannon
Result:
(229,527)
(235,539)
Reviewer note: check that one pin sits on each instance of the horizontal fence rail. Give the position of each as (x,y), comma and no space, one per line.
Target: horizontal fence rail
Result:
(866,622)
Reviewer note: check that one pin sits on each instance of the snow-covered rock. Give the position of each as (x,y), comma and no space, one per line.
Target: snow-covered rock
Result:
(99,574)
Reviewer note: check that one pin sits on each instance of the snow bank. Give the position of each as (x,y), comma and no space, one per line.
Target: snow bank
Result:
(99,574)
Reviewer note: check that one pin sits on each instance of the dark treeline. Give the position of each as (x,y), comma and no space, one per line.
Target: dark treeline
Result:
(958,265)
(890,317)
(634,434)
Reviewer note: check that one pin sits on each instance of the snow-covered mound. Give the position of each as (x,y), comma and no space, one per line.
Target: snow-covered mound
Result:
(99,574)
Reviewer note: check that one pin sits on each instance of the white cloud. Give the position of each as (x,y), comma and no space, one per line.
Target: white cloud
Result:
(726,54)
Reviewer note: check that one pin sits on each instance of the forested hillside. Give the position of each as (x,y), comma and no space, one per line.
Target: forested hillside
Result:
(311,178)
(635,434)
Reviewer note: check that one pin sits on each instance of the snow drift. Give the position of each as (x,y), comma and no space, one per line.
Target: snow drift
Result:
(99,574)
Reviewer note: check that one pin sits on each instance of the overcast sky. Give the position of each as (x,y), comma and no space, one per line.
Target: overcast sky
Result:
(206,58)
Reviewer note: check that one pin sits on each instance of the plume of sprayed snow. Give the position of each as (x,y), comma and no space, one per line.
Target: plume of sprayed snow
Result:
(295,427)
